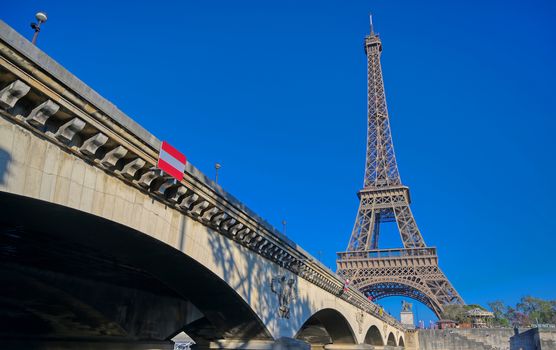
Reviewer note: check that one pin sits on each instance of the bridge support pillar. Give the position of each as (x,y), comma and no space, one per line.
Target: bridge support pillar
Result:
(280,344)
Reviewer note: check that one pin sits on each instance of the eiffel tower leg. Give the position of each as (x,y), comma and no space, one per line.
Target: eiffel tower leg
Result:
(365,223)
(411,237)
(442,289)
(376,229)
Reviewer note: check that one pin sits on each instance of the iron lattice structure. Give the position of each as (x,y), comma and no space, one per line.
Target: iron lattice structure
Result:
(413,270)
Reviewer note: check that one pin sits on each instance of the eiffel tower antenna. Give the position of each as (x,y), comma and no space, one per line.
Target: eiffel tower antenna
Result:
(413,270)
(371,23)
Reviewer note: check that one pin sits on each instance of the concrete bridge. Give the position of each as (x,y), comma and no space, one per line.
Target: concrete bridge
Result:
(100,250)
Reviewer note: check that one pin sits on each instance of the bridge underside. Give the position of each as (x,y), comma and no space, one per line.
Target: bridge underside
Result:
(325,327)
(68,276)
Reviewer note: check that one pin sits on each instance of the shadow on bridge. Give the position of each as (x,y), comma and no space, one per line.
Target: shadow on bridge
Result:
(251,276)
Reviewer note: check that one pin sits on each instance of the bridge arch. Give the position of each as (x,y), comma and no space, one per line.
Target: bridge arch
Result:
(326,326)
(374,337)
(393,286)
(401,343)
(121,282)
(391,341)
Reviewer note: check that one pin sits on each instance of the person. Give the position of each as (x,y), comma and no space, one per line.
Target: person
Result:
(346,285)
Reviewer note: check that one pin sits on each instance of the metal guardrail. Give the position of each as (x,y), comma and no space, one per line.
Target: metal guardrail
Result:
(544,325)
(387,253)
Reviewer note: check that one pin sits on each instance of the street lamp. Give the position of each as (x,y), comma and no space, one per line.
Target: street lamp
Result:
(284,223)
(41,18)
(216,167)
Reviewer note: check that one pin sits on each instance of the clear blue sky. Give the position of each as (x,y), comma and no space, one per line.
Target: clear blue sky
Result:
(276,92)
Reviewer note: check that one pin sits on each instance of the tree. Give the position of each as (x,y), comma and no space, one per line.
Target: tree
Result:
(500,311)
(456,313)
(498,308)
(538,310)
(529,310)
(517,318)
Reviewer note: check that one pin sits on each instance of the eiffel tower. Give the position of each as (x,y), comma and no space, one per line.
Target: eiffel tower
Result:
(411,271)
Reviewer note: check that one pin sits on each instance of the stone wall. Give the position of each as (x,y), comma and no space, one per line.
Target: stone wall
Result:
(498,338)
(465,339)
(547,339)
(534,339)
(487,338)
(444,340)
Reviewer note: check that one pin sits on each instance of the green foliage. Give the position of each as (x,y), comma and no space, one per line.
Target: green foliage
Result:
(455,313)
(529,310)
(474,306)
(458,313)
(538,310)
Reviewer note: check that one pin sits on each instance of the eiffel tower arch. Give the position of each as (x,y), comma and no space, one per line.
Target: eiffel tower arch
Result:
(411,271)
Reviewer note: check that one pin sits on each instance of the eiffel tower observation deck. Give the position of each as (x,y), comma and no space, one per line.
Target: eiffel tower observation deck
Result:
(411,271)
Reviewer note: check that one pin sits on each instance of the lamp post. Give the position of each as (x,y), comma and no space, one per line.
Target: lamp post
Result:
(41,18)
(284,223)
(216,167)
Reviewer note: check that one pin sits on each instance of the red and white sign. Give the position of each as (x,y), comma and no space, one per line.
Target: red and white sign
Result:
(171,161)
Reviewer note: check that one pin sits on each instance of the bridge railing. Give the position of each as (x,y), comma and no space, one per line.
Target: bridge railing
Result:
(387,253)
(88,123)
